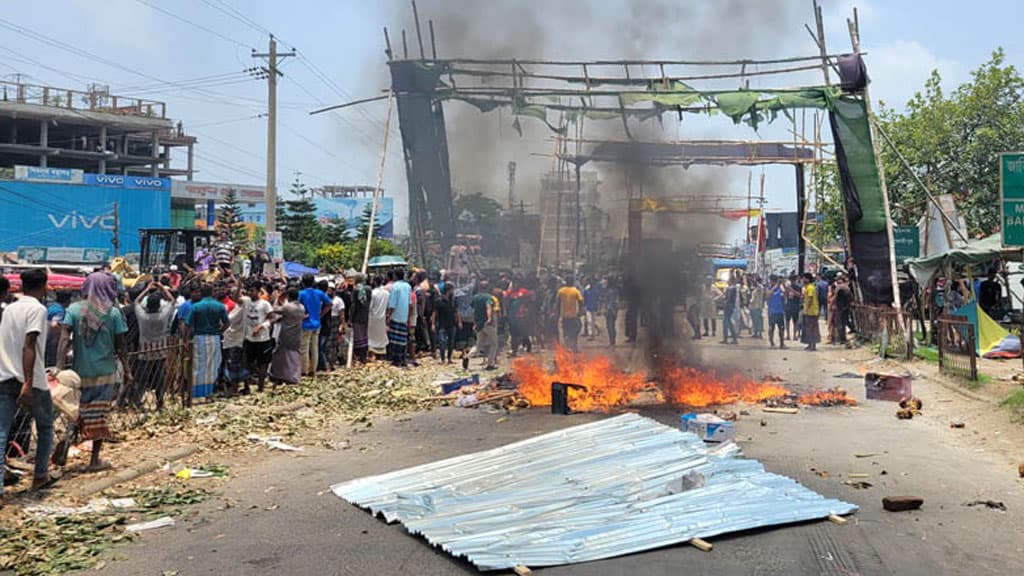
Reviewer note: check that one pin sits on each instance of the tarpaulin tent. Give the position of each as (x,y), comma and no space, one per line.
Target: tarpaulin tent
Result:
(53,281)
(294,269)
(975,252)
(991,340)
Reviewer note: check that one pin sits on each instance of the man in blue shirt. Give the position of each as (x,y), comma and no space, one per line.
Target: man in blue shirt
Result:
(821,286)
(399,309)
(777,312)
(206,320)
(313,300)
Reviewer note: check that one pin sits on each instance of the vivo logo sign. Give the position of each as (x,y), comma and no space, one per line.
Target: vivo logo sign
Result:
(109,180)
(76,221)
(144,182)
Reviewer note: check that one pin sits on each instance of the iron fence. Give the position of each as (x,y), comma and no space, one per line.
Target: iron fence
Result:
(882,324)
(957,348)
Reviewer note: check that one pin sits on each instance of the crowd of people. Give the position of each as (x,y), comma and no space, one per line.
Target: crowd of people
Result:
(795,307)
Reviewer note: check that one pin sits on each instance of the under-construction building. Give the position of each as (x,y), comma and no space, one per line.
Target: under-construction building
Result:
(572,224)
(91,130)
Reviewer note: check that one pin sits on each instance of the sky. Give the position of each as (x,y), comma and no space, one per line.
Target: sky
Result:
(193,54)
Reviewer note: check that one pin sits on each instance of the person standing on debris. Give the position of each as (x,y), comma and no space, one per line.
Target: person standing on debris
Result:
(377,323)
(756,308)
(777,312)
(843,303)
(359,318)
(810,334)
(399,312)
(206,323)
(610,302)
(446,321)
(154,308)
(234,341)
(23,383)
(313,300)
(96,329)
(710,298)
(289,315)
(570,309)
(258,344)
(730,327)
(485,322)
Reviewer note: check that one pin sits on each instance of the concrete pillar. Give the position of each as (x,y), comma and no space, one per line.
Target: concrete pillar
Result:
(102,168)
(154,154)
(44,140)
(191,161)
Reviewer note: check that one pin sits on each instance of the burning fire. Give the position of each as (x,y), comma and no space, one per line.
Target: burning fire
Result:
(698,388)
(830,397)
(608,386)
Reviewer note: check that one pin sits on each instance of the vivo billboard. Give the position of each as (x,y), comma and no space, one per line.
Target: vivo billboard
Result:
(78,216)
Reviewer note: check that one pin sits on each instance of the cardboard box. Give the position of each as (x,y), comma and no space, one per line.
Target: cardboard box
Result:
(708,427)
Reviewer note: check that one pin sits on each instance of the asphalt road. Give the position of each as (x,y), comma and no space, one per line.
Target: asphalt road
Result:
(279,517)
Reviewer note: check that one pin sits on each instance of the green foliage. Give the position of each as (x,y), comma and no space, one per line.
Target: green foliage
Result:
(476,210)
(230,219)
(342,256)
(1015,403)
(829,230)
(952,143)
(364,223)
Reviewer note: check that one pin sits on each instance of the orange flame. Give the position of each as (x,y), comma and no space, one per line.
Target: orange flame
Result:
(608,386)
(699,388)
(830,397)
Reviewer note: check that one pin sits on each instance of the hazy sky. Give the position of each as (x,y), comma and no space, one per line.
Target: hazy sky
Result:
(146,47)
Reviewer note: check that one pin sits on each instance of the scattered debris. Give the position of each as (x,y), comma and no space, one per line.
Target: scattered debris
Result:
(701,544)
(765,423)
(889,387)
(904,414)
(848,375)
(990,504)
(866,454)
(727,415)
(858,475)
(835,396)
(909,407)
(858,484)
(95,506)
(773,410)
(273,442)
(1020,470)
(836,519)
(957,424)
(902,503)
(707,427)
(821,473)
(162,522)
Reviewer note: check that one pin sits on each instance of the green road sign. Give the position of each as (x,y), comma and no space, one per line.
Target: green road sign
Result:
(1011,196)
(907,243)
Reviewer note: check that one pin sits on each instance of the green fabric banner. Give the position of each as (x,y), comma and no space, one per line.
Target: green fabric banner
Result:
(851,124)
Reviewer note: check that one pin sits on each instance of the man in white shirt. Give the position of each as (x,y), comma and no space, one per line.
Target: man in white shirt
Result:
(22,375)
(258,345)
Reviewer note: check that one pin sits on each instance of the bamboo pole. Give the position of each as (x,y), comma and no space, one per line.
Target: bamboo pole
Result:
(373,209)
(872,125)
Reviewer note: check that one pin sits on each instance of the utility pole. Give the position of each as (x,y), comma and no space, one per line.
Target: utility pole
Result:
(271,72)
(511,186)
(116,240)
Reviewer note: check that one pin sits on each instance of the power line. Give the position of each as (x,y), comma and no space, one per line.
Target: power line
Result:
(195,24)
(230,11)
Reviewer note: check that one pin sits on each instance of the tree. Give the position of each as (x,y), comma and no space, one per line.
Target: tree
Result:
(476,210)
(335,231)
(952,143)
(230,218)
(364,222)
(299,226)
(342,256)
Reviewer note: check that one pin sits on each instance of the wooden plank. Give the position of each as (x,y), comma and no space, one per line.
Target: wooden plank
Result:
(522,570)
(772,410)
(836,519)
(701,544)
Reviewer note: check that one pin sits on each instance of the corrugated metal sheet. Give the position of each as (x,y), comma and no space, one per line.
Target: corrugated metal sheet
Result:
(585,493)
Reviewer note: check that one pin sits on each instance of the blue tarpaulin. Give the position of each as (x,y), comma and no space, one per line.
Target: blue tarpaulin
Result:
(294,269)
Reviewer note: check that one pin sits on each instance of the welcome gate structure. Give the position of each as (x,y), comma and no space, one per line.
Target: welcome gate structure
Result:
(565,94)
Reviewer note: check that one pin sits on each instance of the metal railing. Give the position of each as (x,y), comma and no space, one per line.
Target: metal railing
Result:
(882,324)
(93,101)
(160,378)
(957,348)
